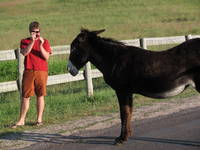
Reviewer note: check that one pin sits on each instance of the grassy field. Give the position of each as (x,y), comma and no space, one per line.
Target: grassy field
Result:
(61,21)
(123,19)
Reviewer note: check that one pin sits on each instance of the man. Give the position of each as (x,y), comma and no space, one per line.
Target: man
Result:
(36,51)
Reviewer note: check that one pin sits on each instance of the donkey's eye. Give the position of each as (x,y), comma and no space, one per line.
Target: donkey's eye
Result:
(72,49)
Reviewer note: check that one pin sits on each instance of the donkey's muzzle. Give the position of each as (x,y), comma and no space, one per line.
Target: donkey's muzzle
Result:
(72,69)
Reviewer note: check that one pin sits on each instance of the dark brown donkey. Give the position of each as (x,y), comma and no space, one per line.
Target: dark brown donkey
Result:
(129,70)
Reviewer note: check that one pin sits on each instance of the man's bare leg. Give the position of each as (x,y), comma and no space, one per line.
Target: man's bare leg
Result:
(23,111)
(40,108)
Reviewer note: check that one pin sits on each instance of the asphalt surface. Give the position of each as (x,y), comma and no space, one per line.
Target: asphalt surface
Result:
(178,131)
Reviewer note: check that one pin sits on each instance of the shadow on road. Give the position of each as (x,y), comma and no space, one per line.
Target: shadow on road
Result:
(168,141)
(104,140)
(59,139)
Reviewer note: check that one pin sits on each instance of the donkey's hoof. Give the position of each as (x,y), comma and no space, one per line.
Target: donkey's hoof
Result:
(119,141)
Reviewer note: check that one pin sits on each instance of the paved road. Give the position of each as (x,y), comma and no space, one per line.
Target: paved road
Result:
(179,131)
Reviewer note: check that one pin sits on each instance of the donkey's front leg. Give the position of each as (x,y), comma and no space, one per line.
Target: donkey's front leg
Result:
(125,104)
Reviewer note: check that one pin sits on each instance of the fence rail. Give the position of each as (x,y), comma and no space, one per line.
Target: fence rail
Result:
(63,78)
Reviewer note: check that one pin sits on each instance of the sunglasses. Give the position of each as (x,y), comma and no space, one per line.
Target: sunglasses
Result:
(36,31)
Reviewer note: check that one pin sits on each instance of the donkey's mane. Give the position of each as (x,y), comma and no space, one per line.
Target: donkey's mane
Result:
(109,45)
(111,41)
(103,40)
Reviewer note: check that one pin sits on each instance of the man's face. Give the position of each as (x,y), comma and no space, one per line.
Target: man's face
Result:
(35,32)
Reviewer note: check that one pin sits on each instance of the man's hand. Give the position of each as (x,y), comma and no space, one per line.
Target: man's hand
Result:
(41,40)
(45,54)
(34,36)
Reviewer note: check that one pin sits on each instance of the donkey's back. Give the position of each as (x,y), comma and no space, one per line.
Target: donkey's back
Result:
(159,74)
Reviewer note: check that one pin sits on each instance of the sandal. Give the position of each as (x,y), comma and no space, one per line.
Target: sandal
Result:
(16,126)
(39,123)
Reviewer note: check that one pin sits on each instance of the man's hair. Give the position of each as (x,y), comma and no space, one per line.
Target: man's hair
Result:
(34,25)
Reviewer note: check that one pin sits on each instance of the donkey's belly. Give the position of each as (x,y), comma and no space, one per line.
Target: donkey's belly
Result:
(171,92)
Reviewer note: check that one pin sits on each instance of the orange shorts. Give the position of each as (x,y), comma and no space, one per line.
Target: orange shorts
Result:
(34,82)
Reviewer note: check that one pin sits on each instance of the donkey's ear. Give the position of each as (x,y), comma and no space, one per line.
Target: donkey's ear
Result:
(82,37)
(83,34)
(99,31)
(83,30)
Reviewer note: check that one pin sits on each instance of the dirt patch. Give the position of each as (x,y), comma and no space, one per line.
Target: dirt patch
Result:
(56,133)
(11,3)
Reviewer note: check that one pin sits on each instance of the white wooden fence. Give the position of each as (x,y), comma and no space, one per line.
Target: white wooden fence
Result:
(63,78)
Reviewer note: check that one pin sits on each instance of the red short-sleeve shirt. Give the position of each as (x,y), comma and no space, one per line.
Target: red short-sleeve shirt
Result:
(34,60)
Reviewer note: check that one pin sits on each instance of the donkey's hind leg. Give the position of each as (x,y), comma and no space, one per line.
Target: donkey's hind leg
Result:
(197,82)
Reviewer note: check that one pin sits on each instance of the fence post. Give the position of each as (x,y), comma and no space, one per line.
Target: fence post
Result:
(143,43)
(88,78)
(20,59)
(187,37)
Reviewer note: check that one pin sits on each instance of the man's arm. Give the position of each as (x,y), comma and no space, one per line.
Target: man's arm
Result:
(45,54)
(27,50)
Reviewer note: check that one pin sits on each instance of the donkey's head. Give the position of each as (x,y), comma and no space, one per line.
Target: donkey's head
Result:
(80,50)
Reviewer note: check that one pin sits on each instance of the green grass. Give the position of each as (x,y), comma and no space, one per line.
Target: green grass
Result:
(58,64)
(8,70)
(64,102)
(61,21)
